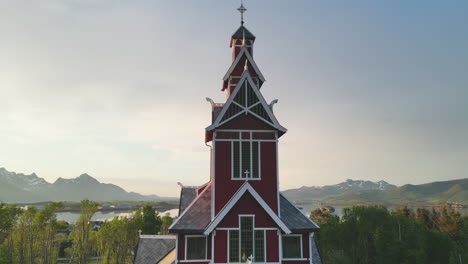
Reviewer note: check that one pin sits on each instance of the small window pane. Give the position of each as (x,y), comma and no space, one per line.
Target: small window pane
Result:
(233,246)
(259,246)
(246,227)
(227,135)
(255,159)
(263,135)
(236,159)
(196,248)
(246,170)
(292,247)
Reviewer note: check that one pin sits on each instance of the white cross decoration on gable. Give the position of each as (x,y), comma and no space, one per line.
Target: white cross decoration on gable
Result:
(246,172)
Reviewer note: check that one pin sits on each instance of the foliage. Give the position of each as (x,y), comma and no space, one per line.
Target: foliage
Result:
(117,239)
(375,235)
(166,222)
(83,236)
(8,216)
(149,220)
(36,236)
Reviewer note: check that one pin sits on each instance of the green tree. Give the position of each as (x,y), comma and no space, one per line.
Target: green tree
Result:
(319,216)
(372,234)
(46,228)
(117,239)
(24,237)
(8,216)
(82,236)
(151,221)
(166,222)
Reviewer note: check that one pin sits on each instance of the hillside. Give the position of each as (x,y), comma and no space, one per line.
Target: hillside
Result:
(455,191)
(20,188)
(305,194)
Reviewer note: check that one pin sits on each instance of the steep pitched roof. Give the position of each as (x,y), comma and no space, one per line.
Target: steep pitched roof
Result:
(315,252)
(246,53)
(152,249)
(259,108)
(187,195)
(197,215)
(294,219)
(241,33)
(246,187)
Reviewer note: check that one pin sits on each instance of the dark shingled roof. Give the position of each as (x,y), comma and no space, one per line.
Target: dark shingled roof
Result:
(241,32)
(315,253)
(187,195)
(294,219)
(215,113)
(152,249)
(197,217)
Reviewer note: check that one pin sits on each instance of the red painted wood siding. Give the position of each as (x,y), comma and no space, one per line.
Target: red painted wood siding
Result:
(221,249)
(225,187)
(248,205)
(247,122)
(272,244)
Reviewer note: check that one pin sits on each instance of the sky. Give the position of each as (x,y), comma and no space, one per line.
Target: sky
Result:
(371,90)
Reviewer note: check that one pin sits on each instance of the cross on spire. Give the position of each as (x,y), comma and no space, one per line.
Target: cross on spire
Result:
(242,10)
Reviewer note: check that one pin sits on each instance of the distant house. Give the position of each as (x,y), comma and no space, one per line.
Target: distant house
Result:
(155,249)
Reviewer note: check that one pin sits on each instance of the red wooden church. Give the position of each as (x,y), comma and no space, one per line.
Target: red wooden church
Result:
(240,215)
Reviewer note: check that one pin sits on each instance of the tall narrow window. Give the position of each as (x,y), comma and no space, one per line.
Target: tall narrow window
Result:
(246,242)
(233,245)
(236,159)
(255,159)
(259,246)
(245,159)
(246,237)
(246,156)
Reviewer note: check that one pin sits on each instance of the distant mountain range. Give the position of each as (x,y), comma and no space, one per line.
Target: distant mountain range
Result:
(351,191)
(21,188)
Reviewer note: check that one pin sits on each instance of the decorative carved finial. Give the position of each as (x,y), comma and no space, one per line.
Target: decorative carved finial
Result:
(273,103)
(242,10)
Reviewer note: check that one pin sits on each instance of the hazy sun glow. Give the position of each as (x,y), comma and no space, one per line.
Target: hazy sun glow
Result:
(369,90)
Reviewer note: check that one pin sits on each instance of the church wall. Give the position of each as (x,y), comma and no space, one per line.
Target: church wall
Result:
(225,187)
(247,205)
(221,241)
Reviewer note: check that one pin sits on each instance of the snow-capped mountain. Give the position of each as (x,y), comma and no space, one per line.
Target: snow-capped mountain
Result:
(27,182)
(19,188)
(321,192)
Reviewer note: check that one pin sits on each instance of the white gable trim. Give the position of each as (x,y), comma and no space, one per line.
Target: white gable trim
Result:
(251,60)
(246,187)
(246,77)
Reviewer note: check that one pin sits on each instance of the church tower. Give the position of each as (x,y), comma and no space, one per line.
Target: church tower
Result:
(240,215)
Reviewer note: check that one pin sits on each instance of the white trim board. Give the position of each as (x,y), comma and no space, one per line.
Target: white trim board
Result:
(246,187)
(236,62)
(246,77)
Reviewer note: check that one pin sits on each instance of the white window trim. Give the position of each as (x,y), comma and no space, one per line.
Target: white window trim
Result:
(206,249)
(302,253)
(250,178)
(264,229)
